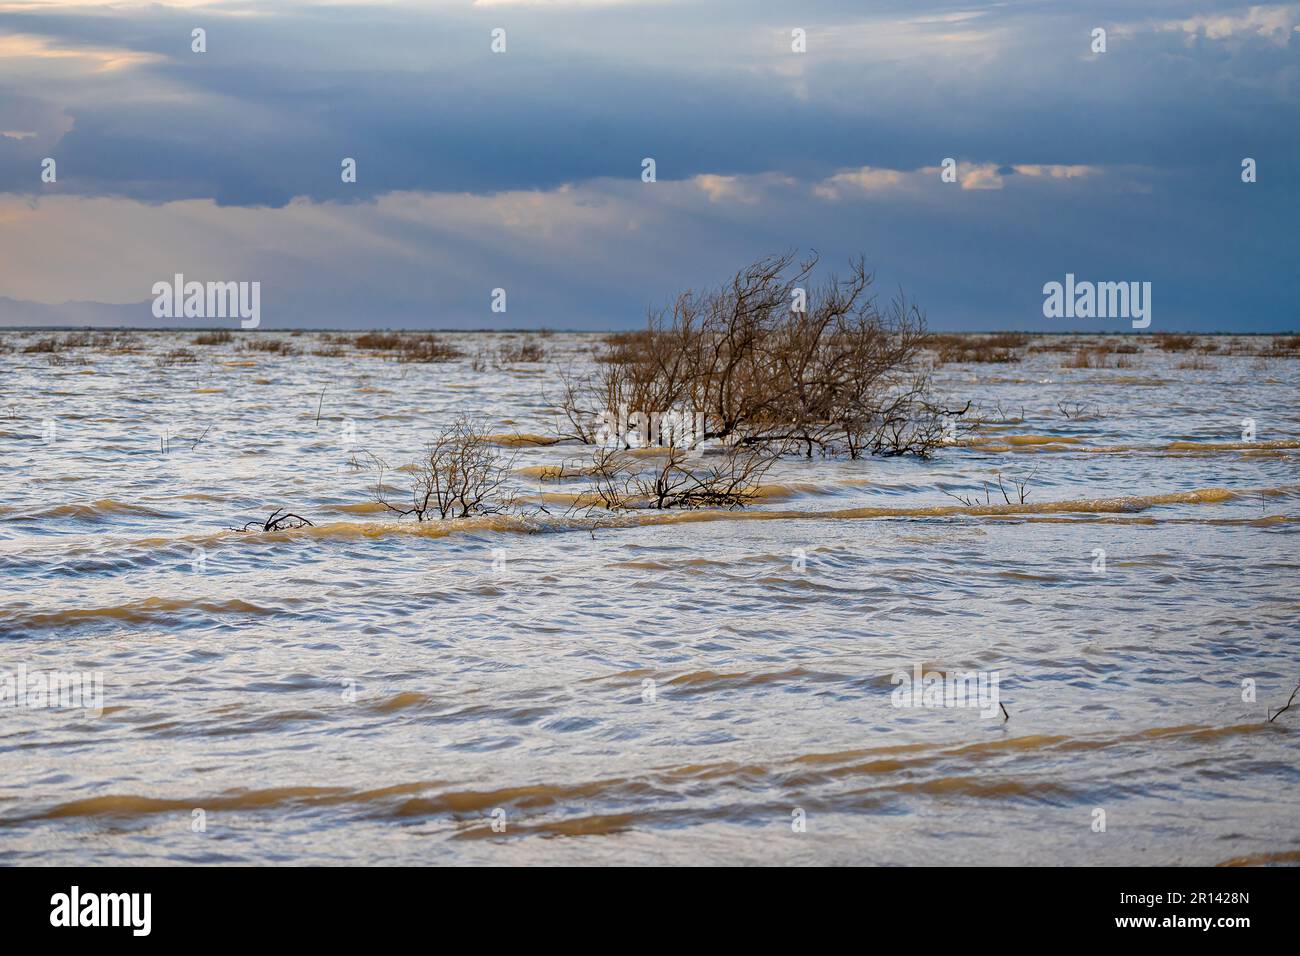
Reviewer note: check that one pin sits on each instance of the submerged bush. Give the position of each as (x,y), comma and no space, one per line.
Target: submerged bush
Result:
(273,346)
(1170,342)
(460,474)
(622,481)
(962,349)
(772,359)
(423,347)
(216,337)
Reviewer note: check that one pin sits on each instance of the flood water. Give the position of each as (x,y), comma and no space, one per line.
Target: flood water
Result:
(662,687)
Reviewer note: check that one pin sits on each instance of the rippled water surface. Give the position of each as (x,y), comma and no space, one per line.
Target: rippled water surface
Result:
(664,687)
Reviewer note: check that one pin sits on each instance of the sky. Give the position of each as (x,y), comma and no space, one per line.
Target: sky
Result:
(523,170)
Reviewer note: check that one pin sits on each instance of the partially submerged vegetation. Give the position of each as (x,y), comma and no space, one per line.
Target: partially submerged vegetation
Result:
(460,474)
(1002,347)
(721,384)
(213,337)
(175,357)
(273,345)
(772,362)
(511,352)
(407,346)
(279,520)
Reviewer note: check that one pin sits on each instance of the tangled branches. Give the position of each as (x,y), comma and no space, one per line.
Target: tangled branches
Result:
(460,474)
(772,359)
(277,522)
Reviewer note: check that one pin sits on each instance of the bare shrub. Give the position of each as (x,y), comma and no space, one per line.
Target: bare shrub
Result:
(216,337)
(509,353)
(514,353)
(460,474)
(422,347)
(960,349)
(1088,357)
(426,348)
(1283,346)
(1020,485)
(1057,342)
(1169,342)
(50,343)
(378,341)
(621,481)
(279,520)
(271,345)
(175,357)
(840,376)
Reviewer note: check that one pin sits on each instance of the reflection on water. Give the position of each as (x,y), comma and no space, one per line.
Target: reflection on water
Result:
(654,687)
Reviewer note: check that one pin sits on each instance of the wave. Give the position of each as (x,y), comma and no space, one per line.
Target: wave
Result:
(633,799)
(1059,443)
(147,610)
(104,507)
(1125,509)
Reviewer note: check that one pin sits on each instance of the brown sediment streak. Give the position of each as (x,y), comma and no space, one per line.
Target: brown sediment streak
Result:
(131,805)
(408,800)
(400,702)
(521,439)
(526,797)
(701,682)
(1021,440)
(1231,445)
(362,508)
(1264,522)
(1123,505)
(903,756)
(1263,859)
(135,612)
(1080,509)
(792,489)
(90,509)
(605,824)
(1040,443)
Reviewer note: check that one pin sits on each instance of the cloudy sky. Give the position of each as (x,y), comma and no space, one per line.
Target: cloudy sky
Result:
(522,170)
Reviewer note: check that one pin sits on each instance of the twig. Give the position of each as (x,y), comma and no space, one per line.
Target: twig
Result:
(319,402)
(1289,702)
(968,501)
(275,522)
(200,438)
(1006,716)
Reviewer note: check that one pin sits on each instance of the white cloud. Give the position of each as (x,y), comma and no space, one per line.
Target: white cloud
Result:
(868,180)
(1274,22)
